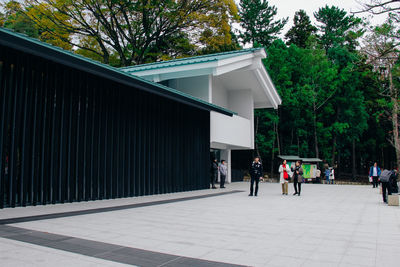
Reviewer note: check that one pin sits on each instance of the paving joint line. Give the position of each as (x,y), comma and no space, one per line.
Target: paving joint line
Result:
(136,254)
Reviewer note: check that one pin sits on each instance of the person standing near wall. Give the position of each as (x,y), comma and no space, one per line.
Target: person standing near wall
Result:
(214,172)
(297,178)
(284,176)
(223,171)
(256,171)
(375,172)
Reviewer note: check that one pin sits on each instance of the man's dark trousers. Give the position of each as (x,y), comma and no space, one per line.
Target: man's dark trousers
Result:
(297,186)
(385,187)
(254,179)
(214,176)
(375,181)
(222,183)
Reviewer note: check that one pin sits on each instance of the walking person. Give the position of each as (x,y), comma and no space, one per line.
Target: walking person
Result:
(384,178)
(213,173)
(332,176)
(375,172)
(256,171)
(297,178)
(223,171)
(284,173)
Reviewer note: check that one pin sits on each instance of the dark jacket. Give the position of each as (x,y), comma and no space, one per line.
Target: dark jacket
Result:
(256,169)
(393,183)
(214,167)
(298,176)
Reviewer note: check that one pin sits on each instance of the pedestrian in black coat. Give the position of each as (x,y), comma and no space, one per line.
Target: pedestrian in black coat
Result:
(297,178)
(213,172)
(256,172)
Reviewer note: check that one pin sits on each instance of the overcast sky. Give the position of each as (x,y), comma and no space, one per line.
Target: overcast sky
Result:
(287,8)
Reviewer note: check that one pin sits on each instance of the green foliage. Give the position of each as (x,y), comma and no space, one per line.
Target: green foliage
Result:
(137,31)
(337,27)
(257,20)
(329,94)
(15,19)
(301,31)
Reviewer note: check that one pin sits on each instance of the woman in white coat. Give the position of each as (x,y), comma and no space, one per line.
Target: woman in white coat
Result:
(284,172)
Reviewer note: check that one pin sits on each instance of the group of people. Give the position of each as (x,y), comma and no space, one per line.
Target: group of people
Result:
(287,173)
(387,179)
(223,171)
(330,175)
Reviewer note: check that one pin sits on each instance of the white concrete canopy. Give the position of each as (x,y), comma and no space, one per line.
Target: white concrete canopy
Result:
(236,70)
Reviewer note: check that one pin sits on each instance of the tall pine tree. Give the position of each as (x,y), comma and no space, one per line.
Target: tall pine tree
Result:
(257,20)
(301,30)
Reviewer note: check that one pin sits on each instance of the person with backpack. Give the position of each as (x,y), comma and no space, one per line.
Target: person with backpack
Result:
(374,172)
(384,178)
(256,171)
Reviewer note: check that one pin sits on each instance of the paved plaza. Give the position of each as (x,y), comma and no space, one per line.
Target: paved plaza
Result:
(328,225)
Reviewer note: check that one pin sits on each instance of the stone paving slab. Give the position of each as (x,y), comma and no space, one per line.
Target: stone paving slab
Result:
(328,225)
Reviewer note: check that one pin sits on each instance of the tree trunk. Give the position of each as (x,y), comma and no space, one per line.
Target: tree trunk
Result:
(315,133)
(395,121)
(273,153)
(277,135)
(298,145)
(333,150)
(334,139)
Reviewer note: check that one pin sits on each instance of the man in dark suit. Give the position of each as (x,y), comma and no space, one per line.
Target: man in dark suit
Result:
(256,172)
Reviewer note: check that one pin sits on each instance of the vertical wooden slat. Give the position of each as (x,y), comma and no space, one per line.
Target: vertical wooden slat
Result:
(13,153)
(3,97)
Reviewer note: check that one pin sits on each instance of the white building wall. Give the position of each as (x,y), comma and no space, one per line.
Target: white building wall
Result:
(219,94)
(242,102)
(196,86)
(233,130)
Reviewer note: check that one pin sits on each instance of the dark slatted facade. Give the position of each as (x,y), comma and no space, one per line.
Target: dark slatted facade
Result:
(68,135)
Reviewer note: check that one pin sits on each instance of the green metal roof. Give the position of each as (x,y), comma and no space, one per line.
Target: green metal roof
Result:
(56,54)
(189,60)
(295,158)
(311,160)
(289,157)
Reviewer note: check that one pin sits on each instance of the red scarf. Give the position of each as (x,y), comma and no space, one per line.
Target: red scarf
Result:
(285,174)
